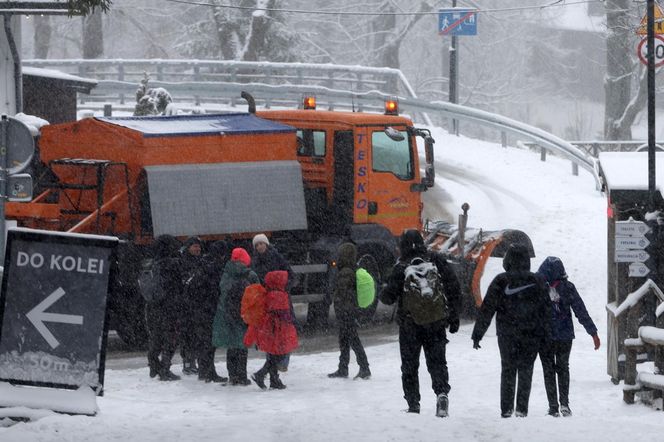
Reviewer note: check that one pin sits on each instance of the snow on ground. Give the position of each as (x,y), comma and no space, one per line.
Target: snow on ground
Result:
(563,214)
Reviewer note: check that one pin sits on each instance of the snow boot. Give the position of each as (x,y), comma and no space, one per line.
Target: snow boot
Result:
(277,384)
(442,405)
(189,368)
(565,411)
(240,381)
(364,373)
(553,411)
(340,373)
(413,408)
(259,379)
(506,414)
(168,375)
(214,377)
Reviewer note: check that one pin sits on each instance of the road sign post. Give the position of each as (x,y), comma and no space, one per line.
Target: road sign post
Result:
(53,309)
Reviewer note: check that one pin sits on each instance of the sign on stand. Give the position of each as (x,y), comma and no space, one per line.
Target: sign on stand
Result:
(630,243)
(53,309)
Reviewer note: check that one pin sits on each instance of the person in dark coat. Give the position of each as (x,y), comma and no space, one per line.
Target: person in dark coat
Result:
(266,259)
(228,328)
(161,315)
(346,312)
(430,337)
(205,307)
(275,334)
(555,356)
(520,301)
(192,292)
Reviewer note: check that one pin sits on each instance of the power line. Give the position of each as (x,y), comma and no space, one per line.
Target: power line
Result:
(555,3)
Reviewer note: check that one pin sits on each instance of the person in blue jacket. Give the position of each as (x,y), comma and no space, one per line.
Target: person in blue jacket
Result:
(555,355)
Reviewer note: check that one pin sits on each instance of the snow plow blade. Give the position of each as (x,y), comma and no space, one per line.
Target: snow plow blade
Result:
(479,246)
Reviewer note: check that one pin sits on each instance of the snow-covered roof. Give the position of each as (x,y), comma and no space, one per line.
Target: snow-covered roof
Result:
(35,7)
(56,75)
(235,123)
(629,170)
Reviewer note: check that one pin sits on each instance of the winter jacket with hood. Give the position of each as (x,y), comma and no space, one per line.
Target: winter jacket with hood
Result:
(345,292)
(411,245)
(565,299)
(518,298)
(228,328)
(276,334)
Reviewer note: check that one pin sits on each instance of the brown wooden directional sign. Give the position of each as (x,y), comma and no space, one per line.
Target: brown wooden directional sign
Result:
(53,308)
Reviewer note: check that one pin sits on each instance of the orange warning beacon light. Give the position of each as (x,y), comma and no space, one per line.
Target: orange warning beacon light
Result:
(309,102)
(391,106)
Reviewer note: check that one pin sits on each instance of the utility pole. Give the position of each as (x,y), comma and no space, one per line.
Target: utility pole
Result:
(650,24)
(454,70)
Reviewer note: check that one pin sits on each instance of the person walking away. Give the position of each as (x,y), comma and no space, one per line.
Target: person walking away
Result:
(205,308)
(423,313)
(161,314)
(276,335)
(228,328)
(520,301)
(555,357)
(346,311)
(192,281)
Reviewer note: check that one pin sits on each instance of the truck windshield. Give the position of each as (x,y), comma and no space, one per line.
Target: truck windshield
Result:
(391,156)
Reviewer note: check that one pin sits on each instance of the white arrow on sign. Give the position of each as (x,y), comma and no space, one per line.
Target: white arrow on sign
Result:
(631,242)
(638,269)
(38,316)
(631,256)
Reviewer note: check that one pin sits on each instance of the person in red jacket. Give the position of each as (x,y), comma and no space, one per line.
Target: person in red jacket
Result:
(275,334)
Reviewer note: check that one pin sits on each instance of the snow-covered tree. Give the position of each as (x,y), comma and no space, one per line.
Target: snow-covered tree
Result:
(151,101)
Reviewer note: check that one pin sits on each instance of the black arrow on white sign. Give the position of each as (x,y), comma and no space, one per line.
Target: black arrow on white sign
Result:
(38,316)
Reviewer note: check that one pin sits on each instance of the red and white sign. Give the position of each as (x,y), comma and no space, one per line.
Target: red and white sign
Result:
(642,51)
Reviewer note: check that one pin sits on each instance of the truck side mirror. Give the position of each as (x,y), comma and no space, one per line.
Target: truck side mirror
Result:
(429,170)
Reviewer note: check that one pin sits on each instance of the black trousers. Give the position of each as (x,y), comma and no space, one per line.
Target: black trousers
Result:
(412,339)
(348,338)
(555,361)
(202,346)
(162,342)
(517,358)
(236,362)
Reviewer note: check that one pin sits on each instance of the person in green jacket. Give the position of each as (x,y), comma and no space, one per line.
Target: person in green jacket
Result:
(228,328)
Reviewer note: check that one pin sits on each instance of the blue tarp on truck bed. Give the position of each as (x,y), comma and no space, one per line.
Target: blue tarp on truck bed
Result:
(197,125)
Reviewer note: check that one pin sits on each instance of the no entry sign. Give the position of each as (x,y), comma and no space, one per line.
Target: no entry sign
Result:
(53,308)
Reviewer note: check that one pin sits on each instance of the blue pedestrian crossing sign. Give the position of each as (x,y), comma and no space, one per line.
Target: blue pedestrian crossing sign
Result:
(457,21)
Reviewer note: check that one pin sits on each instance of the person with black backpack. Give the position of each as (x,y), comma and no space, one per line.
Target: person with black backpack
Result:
(161,309)
(520,300)
(428,296)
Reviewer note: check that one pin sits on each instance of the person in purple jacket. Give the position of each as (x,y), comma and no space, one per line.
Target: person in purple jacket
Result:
(555,354)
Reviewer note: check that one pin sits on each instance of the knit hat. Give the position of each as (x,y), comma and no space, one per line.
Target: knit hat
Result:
(260,238)
(239,254)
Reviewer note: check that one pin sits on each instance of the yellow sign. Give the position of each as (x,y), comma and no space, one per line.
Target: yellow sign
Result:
(659,22)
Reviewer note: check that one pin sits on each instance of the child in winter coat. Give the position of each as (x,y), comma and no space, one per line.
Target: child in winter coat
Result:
(555,355)
(275,334)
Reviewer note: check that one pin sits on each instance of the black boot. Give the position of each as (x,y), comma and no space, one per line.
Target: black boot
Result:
(276,384)
(189,367)
(340,373)
(259,379)
(168,375)
(364,373)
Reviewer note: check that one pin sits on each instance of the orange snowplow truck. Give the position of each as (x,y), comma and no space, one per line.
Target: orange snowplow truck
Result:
(309,179)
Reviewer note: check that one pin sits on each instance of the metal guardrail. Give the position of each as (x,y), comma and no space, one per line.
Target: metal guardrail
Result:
(274,84)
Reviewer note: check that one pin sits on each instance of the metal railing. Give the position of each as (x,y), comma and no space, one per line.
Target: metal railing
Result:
(209,83)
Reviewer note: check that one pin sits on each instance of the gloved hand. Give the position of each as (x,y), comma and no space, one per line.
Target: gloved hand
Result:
(476,344)
(596,341)
(454,325)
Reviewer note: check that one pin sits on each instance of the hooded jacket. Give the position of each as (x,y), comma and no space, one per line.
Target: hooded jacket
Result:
(518,298)
(276,334)
(228,328)
(565,299)
(411,245)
